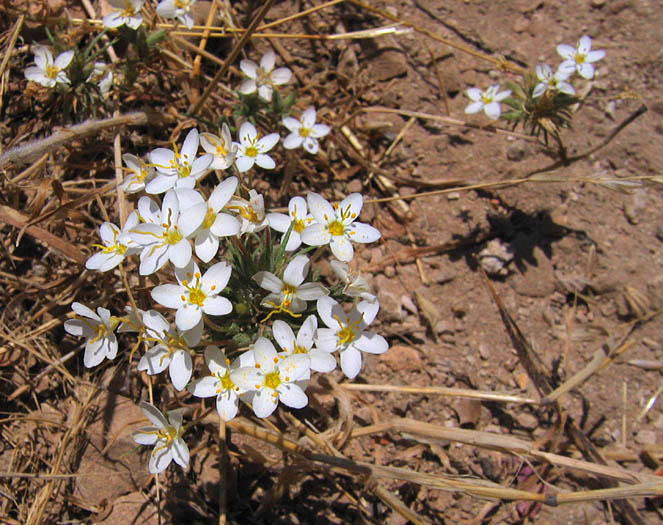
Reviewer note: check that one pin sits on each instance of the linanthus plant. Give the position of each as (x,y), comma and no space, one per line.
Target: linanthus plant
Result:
(541,102)
(240,312)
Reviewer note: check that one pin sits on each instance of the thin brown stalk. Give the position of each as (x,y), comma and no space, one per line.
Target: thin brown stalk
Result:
(195,108)
(442,391)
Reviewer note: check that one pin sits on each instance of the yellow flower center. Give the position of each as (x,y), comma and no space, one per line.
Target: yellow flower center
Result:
(196,295)
(304,132)
(182,4)
(226,382)
(299,226)
(173,235)
(52,71)
(300,350)
(249,214)
(272,380)
(251,151)
(348,331)
(336,228)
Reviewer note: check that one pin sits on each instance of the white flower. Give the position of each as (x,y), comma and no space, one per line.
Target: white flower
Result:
(180,9)
(222,148)
(216,223)
(166,436)
(221,383)
(195,294)
(164,234)
(297,214)
(98,330)
(355,284)
(116,245)
(305,132)
(263,77)
(291,293)
(252,150)
(581,57)
(125,12)
(140,174)
(172,349)
(488,100)
(46,71)
(347,333)
(321,360)
(557,81)
(252,216)
(337,226)
(177,169)
(102,76)
(274,378)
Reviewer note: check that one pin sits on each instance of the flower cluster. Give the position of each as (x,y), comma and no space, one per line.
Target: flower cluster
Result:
(577,59)
(204,236)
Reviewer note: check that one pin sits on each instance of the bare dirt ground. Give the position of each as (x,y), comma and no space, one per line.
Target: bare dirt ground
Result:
(579,276)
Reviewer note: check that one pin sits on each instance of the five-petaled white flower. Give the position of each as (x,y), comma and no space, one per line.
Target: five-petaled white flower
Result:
(305,132)
(165,233)
(557,80)
(222,148)
(274,378)
(355,284)
(47,71)
(321,360)
(252,217)
(581,57)
(178,169)
(171,349)
(165,435)
(117,244)
(337,225)
(291,293)
(297,214)
(221,383)
(251,149)
(216,223)
(195,294)
(263,77)
(180,9)
(102,76)
(139,174)
(98,330)
(488,100)
(124,12)
(347,333)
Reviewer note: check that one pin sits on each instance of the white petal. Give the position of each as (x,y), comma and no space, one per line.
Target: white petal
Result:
(294,367)
(216,277)
(268,281)
(180,452)
(249,68)
(341,248)
(593,56)
(585,70)
(311,145)
(145,435)
(493,110)
(265,92)
(284,335)
(180,369)
(267,61)
(566,51)
(292,141)
(265,354)
(215,359)
(207,246)
(584,45)
(322,210)
(316,234)
(296,271)
(320,130)
(247,133)
(217,306)
(281,76)
(292,124)
(78,328)
(279,221)
(351,362)
(84,311)
(168,295)
(265,161)
(371,343)
(204,387)
(248,86)
(292,396)
(225,225)
(474,107)
(227,405)
(64,59)
(155,360)
(363,233)
(154,415)
(188,316)
(539,90)
(160,458)
(328,310)
(180,253)
(222,193)
(311,291)
(474,94)
(248,378)
(244,163)
(322,361)
(94,353)
(265,402)
(192,218)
